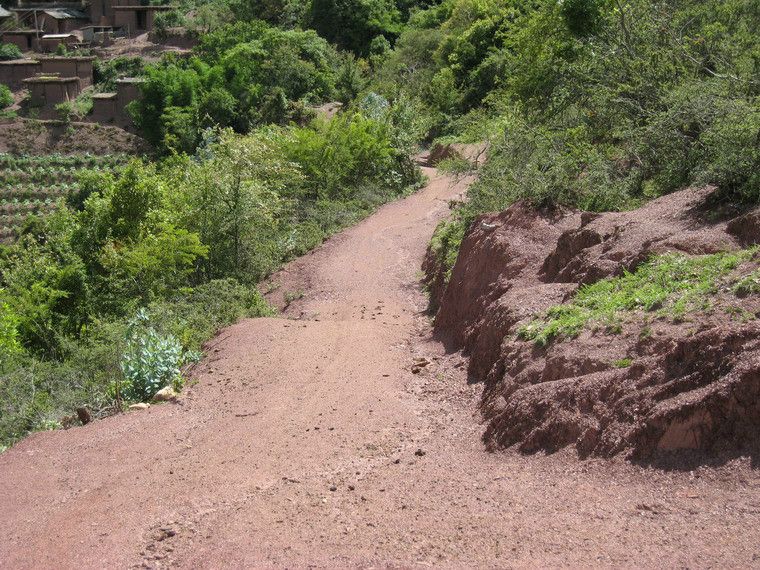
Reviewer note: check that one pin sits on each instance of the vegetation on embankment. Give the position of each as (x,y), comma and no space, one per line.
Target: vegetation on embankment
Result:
(588,103)
(180,243)
(596,104)
(669,285)
(34,184)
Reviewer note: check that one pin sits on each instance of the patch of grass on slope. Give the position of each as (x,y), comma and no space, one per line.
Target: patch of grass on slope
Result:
(669,285)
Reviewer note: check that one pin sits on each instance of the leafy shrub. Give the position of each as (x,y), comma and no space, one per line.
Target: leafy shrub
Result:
(106,72)
(9,345)
(444,245)
(245,75)
(9,52)
(581,16)
(6,97)
(194,316)
(165,20)
(150,361)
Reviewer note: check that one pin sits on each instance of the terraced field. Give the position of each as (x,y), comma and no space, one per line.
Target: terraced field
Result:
(36,184)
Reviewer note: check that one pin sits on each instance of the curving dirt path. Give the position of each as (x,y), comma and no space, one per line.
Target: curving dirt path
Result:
(308,442)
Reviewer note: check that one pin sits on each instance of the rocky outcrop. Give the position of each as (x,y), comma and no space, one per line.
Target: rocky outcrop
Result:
(689,385)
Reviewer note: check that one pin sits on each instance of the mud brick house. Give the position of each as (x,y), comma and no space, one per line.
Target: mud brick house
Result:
(67,66)
(6,18)
(13,73)
(137,19)
(47,91)
(128,89)
(102,35)
(26,40)
(104,108)
(53,20)
(112,107)
(50,42)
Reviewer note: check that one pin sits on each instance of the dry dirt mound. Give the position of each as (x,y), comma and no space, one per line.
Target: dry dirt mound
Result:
(693,385)
(23,136)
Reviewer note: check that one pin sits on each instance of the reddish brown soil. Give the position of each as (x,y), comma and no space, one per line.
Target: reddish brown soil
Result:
(308,442)
(25,136)
(691,385)
(139,46)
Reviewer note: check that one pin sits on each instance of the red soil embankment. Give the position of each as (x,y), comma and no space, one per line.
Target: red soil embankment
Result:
(24,136)
(690,385)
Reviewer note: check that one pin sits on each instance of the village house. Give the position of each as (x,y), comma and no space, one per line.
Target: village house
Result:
(25,40)
(47,91)
(50,42)
(52,20)
(13,73)
(112,107)
(69,66)
(6,18)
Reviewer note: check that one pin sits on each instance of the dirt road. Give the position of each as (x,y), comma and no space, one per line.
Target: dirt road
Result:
(308,442)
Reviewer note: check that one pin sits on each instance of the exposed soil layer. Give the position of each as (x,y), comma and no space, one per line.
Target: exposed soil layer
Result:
(309,442)
(693,385)
(24,136)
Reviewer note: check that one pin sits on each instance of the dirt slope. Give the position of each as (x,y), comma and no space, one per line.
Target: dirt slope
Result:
(24,136)
(690,385)
(308,442)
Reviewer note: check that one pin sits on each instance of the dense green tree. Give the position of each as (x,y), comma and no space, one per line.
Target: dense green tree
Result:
(353,24)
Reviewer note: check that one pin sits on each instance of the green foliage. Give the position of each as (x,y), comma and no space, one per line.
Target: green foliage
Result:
(168,100)
(284,13)
(150,361)
(46,288)
(154,266)
(194,316)
(623,363)
(245,75)
(9,345)
(9,52)
(354,24)
(590,103)
(669,285)
(107,71)
(6,97)
(444,245)
(165,20)
(339,154)
(748,285)
(582,17)
(76,109)
(234,200)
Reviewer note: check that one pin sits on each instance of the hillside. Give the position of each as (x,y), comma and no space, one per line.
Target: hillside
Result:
(327,449)
(379,283)
(630,333)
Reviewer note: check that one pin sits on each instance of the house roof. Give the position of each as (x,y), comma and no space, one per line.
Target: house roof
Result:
(5,13)
(66,57)
(58,36)
(145,8)
(20,33)
(50,79)
(13,62)
(66,14)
